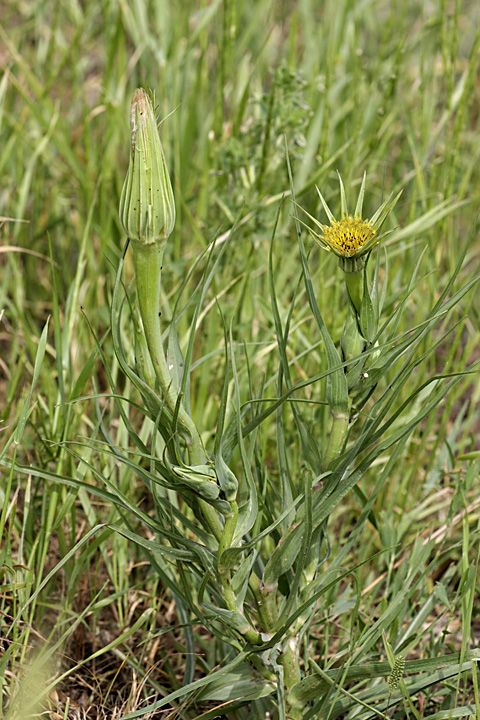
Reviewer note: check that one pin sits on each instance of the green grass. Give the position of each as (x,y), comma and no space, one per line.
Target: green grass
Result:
(92,611)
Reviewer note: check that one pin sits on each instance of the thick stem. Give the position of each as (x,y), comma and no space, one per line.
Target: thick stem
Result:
(228,532)
(148,269)
(252,636)
(291,675)
(265,602)
(268,608)
(354,278)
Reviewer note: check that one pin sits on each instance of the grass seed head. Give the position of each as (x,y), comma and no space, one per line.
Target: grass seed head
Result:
(397,673)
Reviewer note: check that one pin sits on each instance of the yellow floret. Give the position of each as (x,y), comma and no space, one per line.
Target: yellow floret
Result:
(349,234)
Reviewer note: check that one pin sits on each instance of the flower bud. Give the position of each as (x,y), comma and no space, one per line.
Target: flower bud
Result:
(147,207)
(200,478)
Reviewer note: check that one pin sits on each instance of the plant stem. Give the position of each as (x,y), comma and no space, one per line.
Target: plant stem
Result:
(148,268)
(228,532)
(225,574)
(224,543)
(269,608)
(266,603)
(291,675)
(353,269)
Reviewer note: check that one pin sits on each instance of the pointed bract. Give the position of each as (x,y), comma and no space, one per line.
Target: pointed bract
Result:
(361,194)
(325,207)
(343,197)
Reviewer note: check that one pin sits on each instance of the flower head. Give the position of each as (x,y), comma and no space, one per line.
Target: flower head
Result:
(351,237)
(147,207)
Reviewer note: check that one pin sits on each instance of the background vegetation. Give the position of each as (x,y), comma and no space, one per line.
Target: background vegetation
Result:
(390,88)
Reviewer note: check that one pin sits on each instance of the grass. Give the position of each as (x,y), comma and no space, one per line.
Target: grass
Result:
(96,621)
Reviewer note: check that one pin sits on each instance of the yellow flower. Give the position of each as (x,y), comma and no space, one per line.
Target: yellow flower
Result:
(351,236)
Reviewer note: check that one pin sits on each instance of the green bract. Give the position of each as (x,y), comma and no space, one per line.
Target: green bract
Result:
(147,208)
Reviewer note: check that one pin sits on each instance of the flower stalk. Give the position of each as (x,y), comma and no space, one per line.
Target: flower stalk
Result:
(352,240)
(291,676)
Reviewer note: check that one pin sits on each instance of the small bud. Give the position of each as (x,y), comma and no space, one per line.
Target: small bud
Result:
(147,208)
(200,478)
(226,478)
